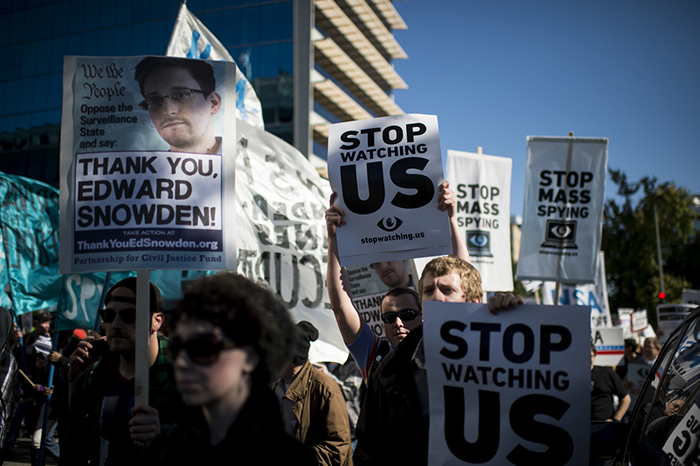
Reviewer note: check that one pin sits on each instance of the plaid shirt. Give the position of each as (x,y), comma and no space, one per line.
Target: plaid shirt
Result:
(82,442)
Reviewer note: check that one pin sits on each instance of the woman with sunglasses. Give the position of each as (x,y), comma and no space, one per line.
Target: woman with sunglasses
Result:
(231,339)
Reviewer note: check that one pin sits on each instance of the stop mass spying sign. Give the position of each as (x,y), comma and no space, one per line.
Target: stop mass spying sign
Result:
(563,209)
(386,173)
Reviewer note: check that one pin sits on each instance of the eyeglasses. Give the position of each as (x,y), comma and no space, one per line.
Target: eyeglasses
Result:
(405,315)
(155,102)
(203,349)
(128,316)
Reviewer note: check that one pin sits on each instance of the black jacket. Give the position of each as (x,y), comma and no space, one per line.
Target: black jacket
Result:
(391,428)
(255,438)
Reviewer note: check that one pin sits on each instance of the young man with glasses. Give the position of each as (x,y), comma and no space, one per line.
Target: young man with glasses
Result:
(105,427)
(396,405)
(180,96)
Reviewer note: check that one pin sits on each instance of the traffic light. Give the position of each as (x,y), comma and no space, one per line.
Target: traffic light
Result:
(662,297)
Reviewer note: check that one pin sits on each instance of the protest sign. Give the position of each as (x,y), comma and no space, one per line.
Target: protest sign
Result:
(670,316)
(370,282)
(639,320)
(482,186)
(689,296)
(593,295)
(126,203)
(281,233)
(387,173)
(609,345)
(29,221)
(563,209)
(512,388)
(682,443)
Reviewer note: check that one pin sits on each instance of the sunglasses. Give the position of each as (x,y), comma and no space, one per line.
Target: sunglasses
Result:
(203,349)
(405,315)
(128,316)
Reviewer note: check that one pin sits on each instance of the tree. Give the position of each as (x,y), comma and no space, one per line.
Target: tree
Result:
(629,242)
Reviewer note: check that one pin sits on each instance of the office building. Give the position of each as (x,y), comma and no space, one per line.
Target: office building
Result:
(311,62)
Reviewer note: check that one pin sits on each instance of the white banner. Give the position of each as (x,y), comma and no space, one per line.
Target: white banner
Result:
(191,39)
(281,233)
(126,202)
(670,316)
(508,389)
(563,209)
(482,185)
(386,172)
(595,296)
(609,345)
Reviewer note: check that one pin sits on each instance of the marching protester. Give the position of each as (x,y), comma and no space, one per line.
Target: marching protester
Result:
(631,356)
(105,427)
(396,404)
(604,384)
(651,350)
(365,347)
(232,338)
(312,405)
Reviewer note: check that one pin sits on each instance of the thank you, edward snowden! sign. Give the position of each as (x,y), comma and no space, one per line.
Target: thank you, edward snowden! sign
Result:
(147,147)
(387,172)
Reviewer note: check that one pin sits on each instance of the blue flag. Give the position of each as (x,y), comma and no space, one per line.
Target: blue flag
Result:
(29,222)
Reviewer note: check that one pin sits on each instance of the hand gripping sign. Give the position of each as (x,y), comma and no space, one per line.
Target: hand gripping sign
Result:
(508,389)
(387,173)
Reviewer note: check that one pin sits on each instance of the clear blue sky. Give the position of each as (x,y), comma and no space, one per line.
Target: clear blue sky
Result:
(495,72)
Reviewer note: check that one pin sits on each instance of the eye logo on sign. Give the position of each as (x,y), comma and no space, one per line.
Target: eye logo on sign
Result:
(479,243)
(390,223)
(560,234)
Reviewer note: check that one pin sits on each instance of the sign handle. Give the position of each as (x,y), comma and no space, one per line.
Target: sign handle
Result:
(143,330)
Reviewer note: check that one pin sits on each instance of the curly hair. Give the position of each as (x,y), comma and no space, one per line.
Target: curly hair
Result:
(471,278)
(248,314)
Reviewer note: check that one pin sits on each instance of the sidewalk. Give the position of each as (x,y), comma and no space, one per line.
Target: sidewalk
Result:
(20,456)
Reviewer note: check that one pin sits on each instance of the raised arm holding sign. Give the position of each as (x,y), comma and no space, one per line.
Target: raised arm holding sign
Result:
(364,345)
(396,404)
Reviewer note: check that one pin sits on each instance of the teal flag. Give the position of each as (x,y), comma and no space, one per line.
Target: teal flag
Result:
(29,223)
(4,279)
(80,293)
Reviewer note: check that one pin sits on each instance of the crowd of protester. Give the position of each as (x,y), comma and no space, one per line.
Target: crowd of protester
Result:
(230,377)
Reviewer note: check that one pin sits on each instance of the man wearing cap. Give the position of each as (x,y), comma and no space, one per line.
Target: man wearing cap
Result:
(105,427)
(312,405)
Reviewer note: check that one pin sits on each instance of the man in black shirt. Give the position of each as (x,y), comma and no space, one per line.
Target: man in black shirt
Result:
(604,384)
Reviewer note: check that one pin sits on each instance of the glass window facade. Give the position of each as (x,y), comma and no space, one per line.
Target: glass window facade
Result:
(34,37)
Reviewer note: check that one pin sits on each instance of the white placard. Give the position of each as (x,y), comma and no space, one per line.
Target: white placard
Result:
(512,388)
(482,185)
(563,209)
(386,172)
(609,345)
(670,316)
(127,202)
(639,320)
